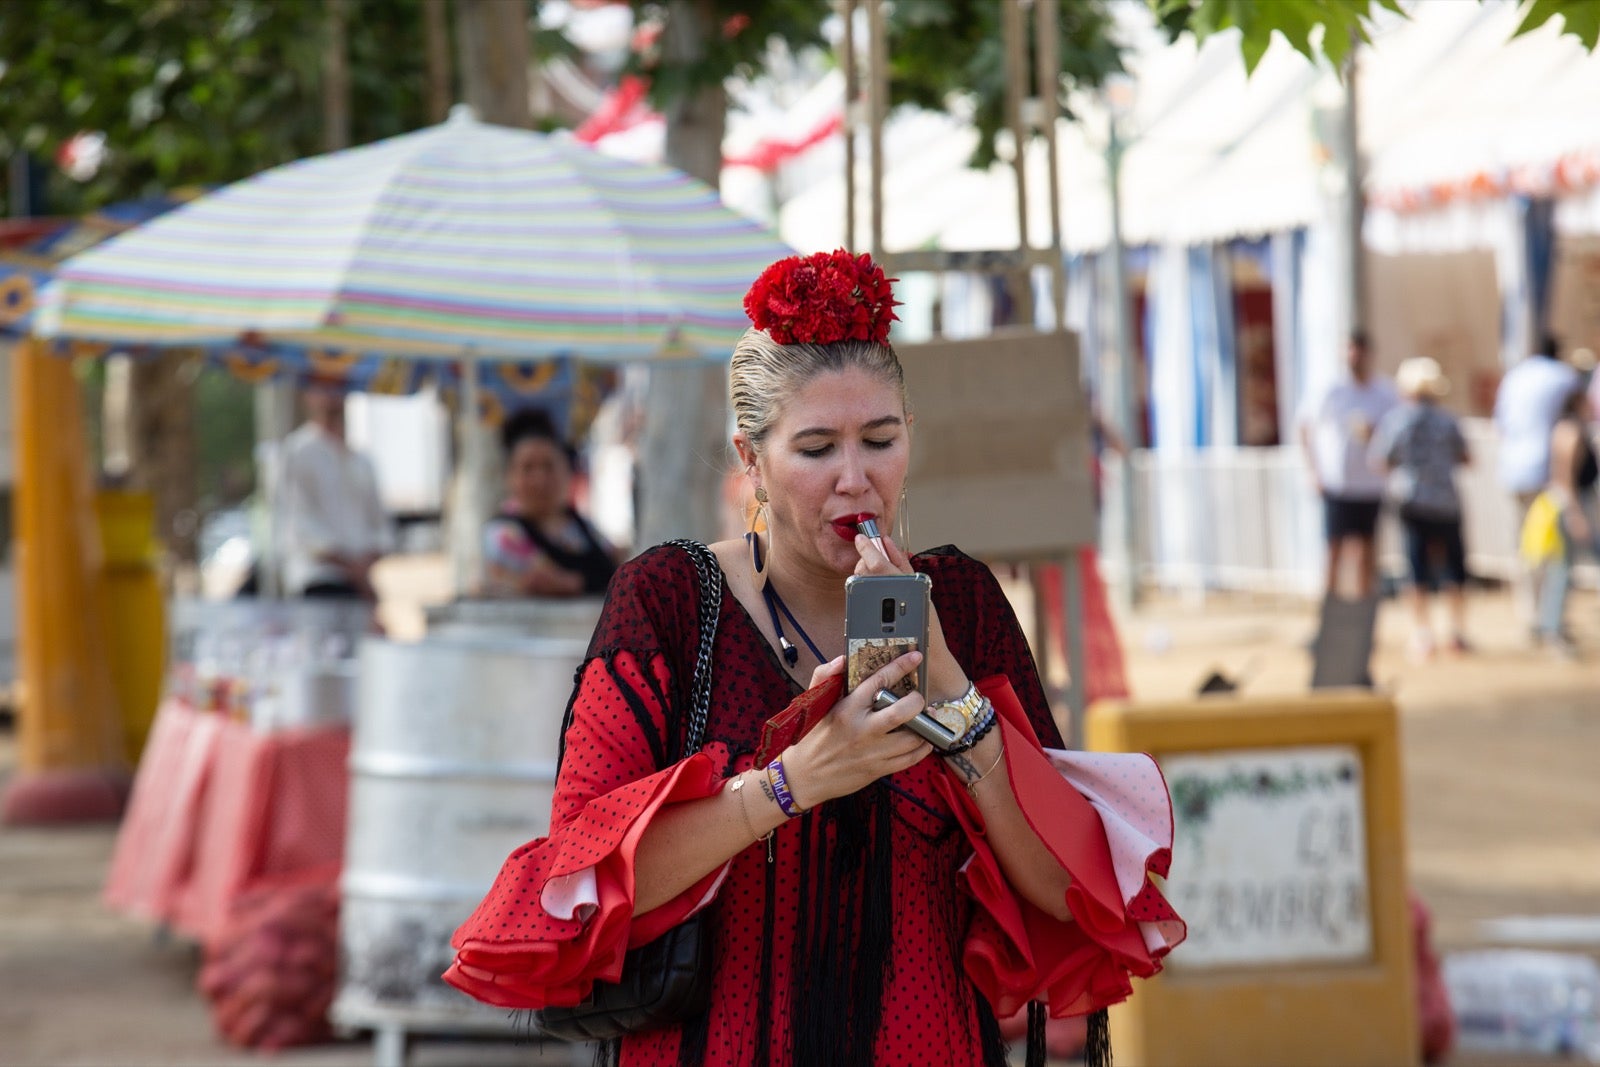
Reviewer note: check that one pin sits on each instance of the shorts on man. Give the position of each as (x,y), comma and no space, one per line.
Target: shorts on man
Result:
(1349,517)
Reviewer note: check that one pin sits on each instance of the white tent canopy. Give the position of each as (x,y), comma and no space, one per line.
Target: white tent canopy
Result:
(1214,154)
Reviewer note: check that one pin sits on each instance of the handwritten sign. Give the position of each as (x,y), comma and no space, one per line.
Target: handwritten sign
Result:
(1273,856)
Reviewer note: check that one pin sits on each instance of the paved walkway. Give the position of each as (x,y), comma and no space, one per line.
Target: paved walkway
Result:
(1502,820)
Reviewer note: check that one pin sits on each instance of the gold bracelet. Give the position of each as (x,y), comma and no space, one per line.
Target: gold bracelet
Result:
(972,785)
(744,809)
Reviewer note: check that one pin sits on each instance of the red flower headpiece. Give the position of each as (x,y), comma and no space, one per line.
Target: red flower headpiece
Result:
(823,298)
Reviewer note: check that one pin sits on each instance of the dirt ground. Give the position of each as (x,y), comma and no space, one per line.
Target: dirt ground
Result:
(1503,819)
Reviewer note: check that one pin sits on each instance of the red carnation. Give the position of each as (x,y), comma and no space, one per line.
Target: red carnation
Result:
(823,298)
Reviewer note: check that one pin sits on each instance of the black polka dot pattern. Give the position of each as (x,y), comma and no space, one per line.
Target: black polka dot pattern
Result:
(515,954)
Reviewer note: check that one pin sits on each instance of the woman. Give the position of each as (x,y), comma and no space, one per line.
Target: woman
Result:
(887,904)
(1420,445)
(1573,475)
(538,545)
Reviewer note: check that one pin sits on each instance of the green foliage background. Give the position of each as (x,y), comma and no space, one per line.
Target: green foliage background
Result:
(938,50)
(195,92)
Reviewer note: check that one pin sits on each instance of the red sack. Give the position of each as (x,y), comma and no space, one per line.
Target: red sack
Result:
(272,972)
(1435,1017)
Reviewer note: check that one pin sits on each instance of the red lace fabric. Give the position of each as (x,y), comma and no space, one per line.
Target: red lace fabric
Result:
(884,931)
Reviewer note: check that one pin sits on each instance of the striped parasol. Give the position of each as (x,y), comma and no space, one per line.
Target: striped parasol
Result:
(460,239)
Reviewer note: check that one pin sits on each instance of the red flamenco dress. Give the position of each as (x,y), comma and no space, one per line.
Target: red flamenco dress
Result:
(883,931)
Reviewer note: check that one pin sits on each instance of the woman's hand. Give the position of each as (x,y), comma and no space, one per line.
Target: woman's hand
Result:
(544,577)
(946,679)
(854,745)
(831,669)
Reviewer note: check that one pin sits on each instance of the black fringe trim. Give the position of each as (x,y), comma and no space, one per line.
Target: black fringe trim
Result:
(769,924)
(990,1039)
(1037,1050)
(693,1040)
(1097,1042)
(842,965)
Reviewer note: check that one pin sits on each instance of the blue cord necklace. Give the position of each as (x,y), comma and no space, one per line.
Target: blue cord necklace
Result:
(775,604)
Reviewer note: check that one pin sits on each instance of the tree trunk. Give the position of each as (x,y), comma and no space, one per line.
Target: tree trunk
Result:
(336,78)
(151,408)
(493,37)
(436,48)
(493,40)
(683,453)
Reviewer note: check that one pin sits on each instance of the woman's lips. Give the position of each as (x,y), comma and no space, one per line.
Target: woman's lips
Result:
(845,525)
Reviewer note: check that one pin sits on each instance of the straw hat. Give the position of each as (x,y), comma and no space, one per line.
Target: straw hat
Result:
(1422,377)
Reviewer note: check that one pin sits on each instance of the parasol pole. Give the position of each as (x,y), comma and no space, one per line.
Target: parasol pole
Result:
(469,509)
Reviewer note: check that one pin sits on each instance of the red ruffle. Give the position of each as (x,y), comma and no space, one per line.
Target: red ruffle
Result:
(1015,952)
(548,960)
(513,953)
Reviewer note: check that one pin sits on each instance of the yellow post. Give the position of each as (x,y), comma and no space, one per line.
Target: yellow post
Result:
(70,745)
(136,611)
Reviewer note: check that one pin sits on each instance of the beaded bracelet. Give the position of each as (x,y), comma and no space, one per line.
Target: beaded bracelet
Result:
(970,739)
(780,789)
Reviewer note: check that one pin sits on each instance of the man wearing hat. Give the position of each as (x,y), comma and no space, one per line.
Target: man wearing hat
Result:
(1420,445)
(334,527)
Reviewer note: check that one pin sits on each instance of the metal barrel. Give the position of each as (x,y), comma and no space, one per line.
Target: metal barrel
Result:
(519,616)
(453,764)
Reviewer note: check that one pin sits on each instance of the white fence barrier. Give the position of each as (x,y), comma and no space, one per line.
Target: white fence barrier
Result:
(1248,519)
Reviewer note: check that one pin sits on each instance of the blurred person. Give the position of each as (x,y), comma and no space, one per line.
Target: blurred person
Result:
(1574,473)
(1336,432)
(1420,445)
(1526,407)
(538,544)
(1103,438)
(334,526)
(871,900)
(1588,363)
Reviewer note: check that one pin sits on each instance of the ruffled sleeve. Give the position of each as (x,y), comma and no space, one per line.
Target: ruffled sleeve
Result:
(1107,819)
(560,914)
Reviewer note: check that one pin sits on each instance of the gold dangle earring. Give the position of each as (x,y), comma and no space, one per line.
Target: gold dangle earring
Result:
(902,525)
(758,522)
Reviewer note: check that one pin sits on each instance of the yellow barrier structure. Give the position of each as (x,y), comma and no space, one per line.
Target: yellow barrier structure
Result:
(71,764)
(135,611)
(1289,867)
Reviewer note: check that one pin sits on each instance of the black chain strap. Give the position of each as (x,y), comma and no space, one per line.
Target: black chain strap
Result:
(710,575)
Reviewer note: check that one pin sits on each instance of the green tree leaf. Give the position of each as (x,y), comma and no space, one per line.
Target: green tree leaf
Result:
(1581,18)
(1342,22)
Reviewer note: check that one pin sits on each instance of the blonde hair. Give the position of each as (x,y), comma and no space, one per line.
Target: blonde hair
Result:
(765,374)
(1421,378)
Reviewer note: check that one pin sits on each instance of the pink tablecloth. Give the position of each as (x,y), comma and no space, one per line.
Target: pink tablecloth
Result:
(218,809)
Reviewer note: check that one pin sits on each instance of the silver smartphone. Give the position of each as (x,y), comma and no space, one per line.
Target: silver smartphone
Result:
(886,616)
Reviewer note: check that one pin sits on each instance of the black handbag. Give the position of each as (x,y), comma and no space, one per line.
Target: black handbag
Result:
(669,979)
